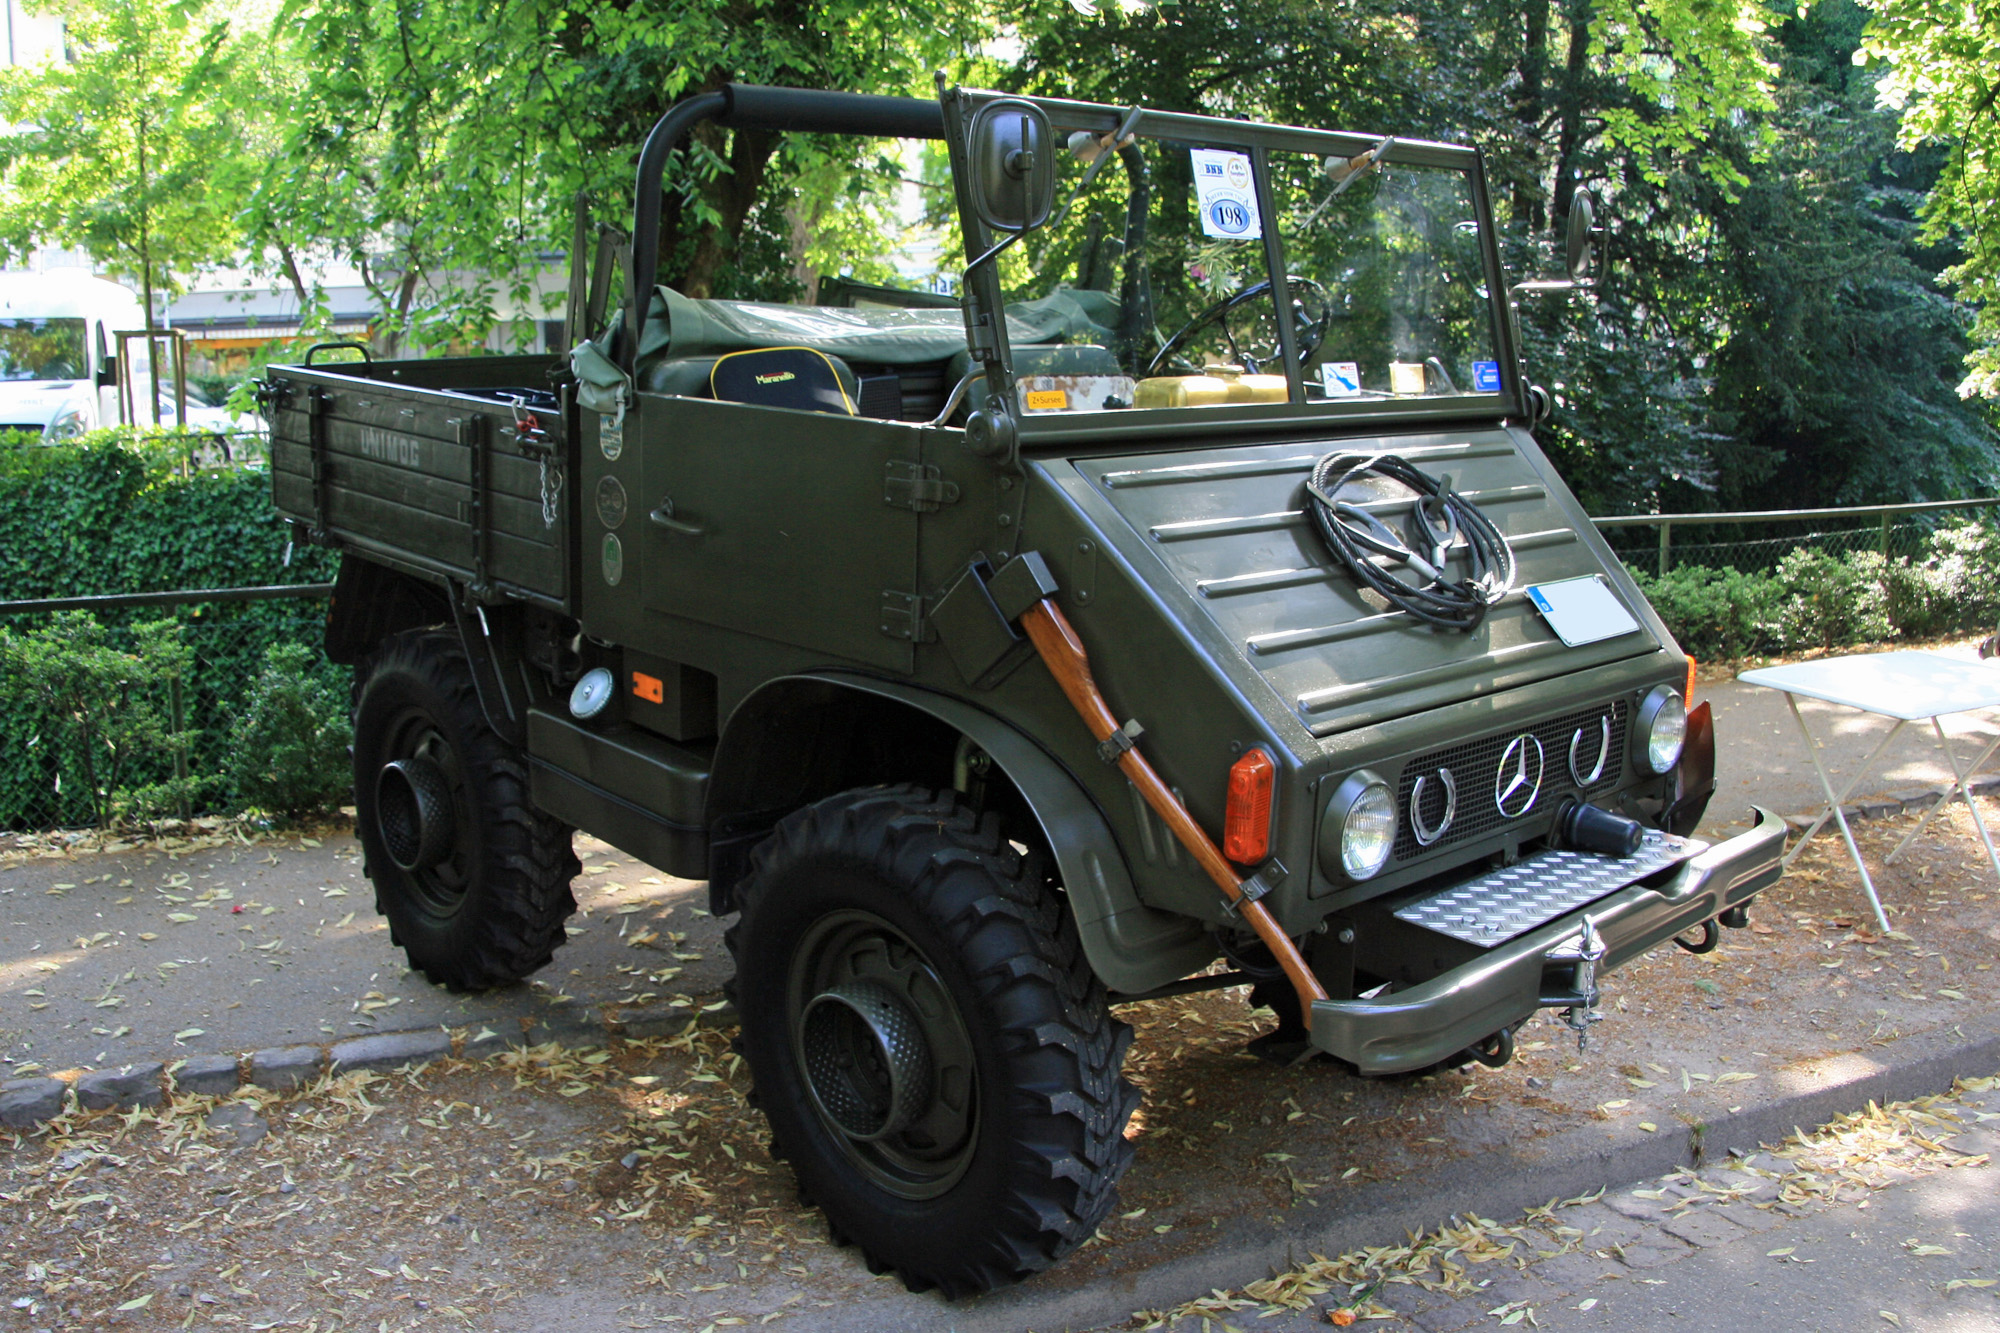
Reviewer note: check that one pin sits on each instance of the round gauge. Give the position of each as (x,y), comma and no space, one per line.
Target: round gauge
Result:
(591,694)
(614,559)
(610,502)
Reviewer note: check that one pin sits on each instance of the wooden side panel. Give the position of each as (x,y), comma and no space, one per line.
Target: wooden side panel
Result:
(446,481)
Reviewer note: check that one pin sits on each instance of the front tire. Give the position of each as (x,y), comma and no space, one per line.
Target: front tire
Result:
(473,878)
(935,1056)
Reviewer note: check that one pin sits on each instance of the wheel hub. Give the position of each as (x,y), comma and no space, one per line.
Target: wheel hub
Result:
(414,812)
(866,1059)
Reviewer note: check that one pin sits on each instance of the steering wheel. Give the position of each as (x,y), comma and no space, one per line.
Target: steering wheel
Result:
(1309,328)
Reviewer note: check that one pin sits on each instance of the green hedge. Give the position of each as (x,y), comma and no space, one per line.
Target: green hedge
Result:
(115,514)
(1817,600)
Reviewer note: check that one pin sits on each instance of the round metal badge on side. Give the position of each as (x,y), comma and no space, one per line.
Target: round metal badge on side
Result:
(614,559)
(611,504)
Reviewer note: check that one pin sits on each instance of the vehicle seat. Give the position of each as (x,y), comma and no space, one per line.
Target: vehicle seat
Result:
(796,377)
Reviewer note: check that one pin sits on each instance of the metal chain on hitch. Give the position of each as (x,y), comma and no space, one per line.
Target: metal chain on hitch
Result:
(552,484)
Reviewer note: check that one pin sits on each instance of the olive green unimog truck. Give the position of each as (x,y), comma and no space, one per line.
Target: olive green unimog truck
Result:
(1181,602)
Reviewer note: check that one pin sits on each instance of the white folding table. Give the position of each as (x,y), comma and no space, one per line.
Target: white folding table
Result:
(1909,686)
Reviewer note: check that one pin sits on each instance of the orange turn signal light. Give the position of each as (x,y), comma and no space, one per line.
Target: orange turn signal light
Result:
(1687,695)
(650,688)
(1246,817)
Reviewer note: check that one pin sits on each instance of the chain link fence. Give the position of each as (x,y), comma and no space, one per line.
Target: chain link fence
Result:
(128,708)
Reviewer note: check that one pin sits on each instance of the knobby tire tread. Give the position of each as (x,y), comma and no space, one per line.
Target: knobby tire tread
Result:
(527,858)
(1022,954)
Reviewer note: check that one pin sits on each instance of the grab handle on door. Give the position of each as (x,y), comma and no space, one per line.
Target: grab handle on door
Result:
(663,517)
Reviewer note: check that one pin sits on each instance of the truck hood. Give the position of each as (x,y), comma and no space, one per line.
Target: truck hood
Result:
(1230,527)
(32,404)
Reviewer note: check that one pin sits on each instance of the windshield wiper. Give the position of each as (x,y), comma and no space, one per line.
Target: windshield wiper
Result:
(1346,171)
(1095,150)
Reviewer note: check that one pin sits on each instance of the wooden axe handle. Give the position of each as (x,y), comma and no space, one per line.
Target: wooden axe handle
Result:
(1056,641)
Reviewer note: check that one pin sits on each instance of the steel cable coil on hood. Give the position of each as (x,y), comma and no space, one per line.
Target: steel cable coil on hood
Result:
(1438,518)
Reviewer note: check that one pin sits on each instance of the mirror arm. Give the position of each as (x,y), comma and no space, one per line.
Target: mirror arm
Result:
(993,253)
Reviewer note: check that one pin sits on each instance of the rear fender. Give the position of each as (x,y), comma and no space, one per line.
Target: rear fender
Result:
(371,602)
(783,748)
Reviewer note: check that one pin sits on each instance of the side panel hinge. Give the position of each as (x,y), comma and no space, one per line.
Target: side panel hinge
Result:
(903,617)
(979,339)
(917,486)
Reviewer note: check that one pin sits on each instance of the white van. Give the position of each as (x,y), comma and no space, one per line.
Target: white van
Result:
(58,343)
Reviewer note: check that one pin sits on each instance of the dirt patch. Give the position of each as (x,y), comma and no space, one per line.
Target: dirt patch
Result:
(632,1186)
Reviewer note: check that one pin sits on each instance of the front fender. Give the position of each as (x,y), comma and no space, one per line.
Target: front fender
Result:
(1130,946)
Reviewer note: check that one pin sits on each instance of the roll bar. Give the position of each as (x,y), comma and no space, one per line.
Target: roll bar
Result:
(751,107)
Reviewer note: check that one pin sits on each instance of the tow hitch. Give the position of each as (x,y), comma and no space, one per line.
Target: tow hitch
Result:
(1584,951)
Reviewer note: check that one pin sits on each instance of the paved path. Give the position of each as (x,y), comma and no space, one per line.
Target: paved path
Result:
(1889,1222)
(1849,1267)
(142,955)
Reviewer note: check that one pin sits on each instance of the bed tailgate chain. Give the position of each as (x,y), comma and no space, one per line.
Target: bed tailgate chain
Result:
(531,437)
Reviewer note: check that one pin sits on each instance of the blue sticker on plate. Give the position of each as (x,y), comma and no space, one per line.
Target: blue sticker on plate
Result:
(1486,377)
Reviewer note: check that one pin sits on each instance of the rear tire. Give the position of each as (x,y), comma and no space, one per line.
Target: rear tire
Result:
(935,1056)
(473,879)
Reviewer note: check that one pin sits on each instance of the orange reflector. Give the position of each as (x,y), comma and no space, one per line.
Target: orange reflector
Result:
(1687,695)
(650,688)
(1246,819)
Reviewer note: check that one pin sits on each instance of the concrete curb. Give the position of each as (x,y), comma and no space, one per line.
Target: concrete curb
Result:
(29,1103)
(1566,1165)
(1911,800)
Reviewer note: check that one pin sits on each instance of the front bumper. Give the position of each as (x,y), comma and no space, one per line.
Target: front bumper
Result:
(1433,1021)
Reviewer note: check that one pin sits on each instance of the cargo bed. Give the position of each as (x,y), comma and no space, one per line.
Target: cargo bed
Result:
(432,466)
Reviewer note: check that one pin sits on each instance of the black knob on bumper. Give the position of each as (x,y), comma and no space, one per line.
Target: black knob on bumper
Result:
(1587,828)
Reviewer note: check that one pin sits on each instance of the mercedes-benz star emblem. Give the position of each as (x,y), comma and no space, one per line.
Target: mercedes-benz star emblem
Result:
(1578,740)
(1519,780)
(1428,833)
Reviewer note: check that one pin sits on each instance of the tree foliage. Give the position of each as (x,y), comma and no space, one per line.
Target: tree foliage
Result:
(116,149)
(1941,62)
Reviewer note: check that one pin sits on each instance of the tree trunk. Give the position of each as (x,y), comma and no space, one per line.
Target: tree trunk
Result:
(732,194)
(1570,135)
(1531,104)
(146,274)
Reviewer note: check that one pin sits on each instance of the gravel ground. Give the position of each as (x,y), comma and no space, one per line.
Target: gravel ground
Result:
(627,1185)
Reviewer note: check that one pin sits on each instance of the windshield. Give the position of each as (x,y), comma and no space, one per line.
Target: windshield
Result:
(1386,267)
(42,349)
(1166,247)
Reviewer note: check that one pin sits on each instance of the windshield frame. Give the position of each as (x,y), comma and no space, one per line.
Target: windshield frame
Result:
(983,300)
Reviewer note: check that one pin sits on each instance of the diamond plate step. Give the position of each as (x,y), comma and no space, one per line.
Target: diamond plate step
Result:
(1501,904)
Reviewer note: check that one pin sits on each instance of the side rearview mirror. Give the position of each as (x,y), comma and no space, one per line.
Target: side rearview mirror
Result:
(1013,165)
(1582,239)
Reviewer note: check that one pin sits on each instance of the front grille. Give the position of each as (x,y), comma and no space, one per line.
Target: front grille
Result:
(1475,765)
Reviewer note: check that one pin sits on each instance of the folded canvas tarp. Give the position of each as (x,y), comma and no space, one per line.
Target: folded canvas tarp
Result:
(680,327)
(683,326)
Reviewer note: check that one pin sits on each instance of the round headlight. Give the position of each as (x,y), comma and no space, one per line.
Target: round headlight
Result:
(1662,726)
(68,425)
(1359,828)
